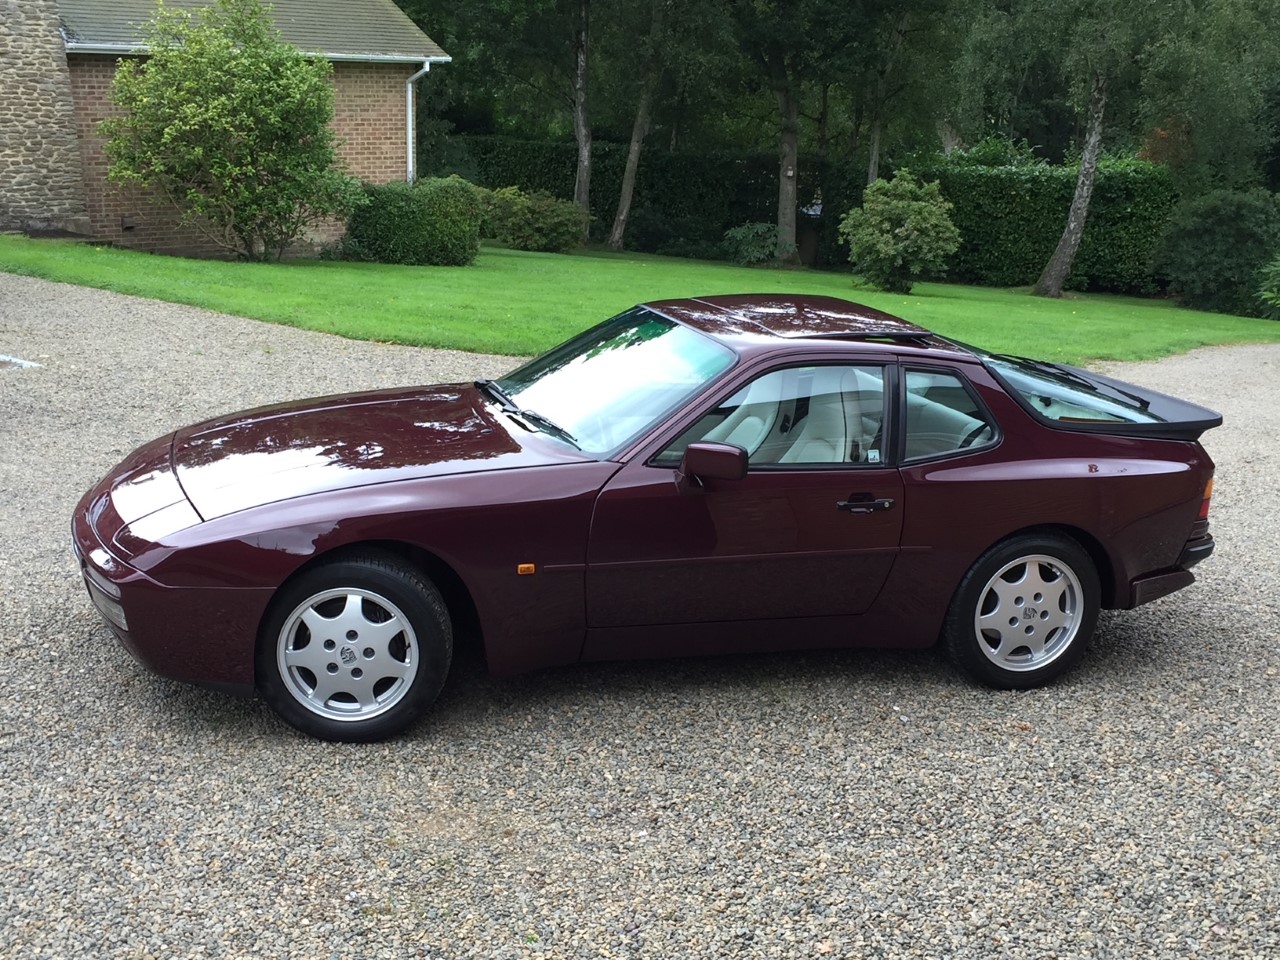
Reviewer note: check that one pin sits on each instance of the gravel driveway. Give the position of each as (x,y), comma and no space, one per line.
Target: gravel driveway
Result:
(845,805)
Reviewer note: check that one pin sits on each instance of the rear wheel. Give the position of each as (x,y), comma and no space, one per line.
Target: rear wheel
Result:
(1024,612)
(355,650)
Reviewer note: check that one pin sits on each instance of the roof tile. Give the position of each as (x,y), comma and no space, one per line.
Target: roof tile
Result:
(354,29)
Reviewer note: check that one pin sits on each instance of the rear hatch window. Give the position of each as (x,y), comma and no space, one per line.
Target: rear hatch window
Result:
(1074,399)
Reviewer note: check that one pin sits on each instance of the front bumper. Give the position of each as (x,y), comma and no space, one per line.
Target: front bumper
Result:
(201,635)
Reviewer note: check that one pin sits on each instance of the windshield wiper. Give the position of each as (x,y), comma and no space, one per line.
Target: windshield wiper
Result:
(497,393)
(509,406)
(548,426)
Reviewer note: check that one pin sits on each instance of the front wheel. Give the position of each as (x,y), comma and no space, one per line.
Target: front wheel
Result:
(355,650)
(1024,612)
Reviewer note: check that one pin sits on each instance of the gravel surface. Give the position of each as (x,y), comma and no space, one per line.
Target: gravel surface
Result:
(851,805)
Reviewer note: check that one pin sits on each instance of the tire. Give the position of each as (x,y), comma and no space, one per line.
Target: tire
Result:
(355,650)
(1024,612)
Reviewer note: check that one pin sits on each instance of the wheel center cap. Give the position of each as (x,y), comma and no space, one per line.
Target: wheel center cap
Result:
(1029,613)
(347,655)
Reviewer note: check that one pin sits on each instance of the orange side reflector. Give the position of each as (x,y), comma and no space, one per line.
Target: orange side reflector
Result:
(526,569)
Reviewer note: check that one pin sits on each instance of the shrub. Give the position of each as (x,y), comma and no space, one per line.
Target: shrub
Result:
(1269,290)
(752,243)
(496,207)
(230,124)
(1216,247)
(535,221)
(434,222)
(902,232)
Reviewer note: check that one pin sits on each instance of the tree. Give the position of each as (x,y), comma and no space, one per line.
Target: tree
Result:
(1209,93)
(1095,44)
(795,42)
(581,115)
(1058,268)
(654,63)
(520,66)
(231,125)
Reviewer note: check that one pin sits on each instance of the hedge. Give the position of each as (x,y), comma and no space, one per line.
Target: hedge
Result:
(434,221)
(683,203)
(1011,218)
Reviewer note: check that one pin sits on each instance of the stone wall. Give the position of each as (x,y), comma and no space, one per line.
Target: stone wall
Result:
(41,185)
(368,119)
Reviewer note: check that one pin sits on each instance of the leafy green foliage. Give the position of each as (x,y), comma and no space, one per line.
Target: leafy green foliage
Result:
(1011,216)
(1269,289)
(1216,248)
(901,233)
(752,243)
(683,202)
(434,222)
(231,125)
(532,221)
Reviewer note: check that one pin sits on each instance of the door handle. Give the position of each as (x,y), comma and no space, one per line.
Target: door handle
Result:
(863,503)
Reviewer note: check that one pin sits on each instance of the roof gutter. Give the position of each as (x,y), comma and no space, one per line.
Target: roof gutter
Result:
(140,49)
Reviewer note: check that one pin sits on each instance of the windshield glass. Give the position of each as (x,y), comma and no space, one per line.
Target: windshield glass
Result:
(1056,393)
(608,385)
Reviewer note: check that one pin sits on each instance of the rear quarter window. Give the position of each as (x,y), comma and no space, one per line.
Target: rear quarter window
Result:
(942,416)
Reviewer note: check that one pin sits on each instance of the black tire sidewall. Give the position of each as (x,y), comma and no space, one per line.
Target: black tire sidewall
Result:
(420,602)
(960,638)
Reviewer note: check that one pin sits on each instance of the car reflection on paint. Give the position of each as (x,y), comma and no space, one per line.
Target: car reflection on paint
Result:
(701,476)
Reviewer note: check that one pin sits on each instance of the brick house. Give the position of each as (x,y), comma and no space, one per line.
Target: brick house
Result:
(57,58)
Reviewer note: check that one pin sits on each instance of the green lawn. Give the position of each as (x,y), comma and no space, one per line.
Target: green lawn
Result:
(522,303)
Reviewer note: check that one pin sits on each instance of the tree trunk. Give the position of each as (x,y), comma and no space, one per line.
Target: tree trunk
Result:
(1058,268)
(788,160)
(640,129)
(873,164)
(880,106)
(788,96)
(581,121)
(824,120)
(855,133)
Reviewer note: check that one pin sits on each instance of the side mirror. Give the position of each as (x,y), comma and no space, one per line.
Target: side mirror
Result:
(707,460)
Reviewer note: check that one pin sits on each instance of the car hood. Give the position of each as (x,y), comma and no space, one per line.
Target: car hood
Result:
(290,450)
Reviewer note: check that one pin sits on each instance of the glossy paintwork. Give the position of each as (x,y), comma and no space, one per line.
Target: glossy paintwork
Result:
(633,559)
(749,316)
(350,441)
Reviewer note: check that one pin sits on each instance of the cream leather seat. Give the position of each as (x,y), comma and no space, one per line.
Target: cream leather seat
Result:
(834,421)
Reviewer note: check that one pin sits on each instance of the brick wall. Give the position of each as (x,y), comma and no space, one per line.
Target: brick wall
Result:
(121,215)
(368,119)
(40,185)
(368,115)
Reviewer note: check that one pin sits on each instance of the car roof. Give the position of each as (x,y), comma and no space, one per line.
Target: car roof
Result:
(789,316)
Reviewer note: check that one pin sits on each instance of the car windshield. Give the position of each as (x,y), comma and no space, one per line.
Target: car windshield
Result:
(1058,393)
(610,384)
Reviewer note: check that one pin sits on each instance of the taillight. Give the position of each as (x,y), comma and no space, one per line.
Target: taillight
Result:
(1204,504)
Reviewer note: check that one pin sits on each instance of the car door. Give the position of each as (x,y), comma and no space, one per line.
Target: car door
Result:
(812,530)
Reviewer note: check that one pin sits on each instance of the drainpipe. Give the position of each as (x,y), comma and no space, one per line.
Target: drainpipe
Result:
(410,167)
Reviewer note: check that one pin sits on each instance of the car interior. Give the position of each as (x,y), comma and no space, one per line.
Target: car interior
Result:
(835,415)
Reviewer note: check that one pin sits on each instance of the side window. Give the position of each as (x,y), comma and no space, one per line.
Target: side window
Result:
(943,416)
(801,415)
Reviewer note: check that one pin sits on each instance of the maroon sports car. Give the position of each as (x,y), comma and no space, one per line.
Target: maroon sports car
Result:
(690,477)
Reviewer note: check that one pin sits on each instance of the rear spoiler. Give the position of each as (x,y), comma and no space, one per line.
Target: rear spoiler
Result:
(1182,420)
